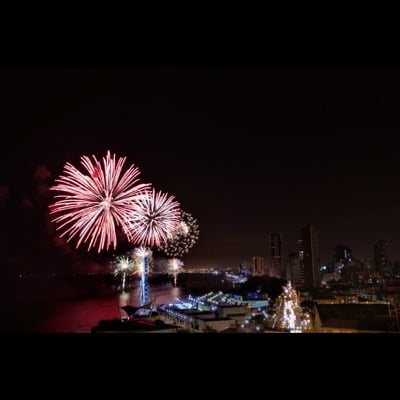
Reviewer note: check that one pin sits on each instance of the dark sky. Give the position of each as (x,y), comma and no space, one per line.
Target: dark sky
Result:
(247,151)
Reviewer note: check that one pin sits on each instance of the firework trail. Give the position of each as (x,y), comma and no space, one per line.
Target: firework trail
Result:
(92,204)
(152,218)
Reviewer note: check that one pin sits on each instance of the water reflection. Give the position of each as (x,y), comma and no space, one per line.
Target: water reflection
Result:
(159,294)
(80,315)
(124,299)
(77,304)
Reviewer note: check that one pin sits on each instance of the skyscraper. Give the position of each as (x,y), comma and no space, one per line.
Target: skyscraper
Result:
(258,266)
(277,266)
(293,268)
(380,257)
(308,248)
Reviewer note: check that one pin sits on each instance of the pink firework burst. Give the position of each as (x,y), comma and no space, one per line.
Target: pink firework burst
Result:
(152,218)
(92,204)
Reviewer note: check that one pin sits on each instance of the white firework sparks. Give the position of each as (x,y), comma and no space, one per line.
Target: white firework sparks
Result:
(183,237)
(152,218)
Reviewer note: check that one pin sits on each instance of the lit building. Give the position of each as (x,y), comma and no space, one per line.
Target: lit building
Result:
(258,266)
(277,266)
(308,248)
(293,268)
(380,257)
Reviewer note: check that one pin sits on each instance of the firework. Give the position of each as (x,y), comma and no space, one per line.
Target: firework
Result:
(175,267)
(93,203)
(142,252)
(122,265)
(152,218)
(183,237)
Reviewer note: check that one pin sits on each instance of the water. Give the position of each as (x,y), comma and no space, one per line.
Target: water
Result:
(76,304)
(45,306)
(80,316)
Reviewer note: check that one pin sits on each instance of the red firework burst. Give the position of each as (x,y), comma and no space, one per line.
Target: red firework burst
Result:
(92,204)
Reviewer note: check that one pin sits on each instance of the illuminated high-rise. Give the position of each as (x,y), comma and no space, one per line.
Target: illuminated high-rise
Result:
(292,271)
(308,248)
(258,266)
(380,257)
(276,261)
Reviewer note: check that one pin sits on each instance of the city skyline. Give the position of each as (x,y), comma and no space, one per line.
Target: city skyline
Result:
(247,151)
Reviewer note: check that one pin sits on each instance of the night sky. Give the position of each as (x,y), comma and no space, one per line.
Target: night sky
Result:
(246,151)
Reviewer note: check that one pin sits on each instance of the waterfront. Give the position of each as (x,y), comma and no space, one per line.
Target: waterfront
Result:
(48,306)
(75,304)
